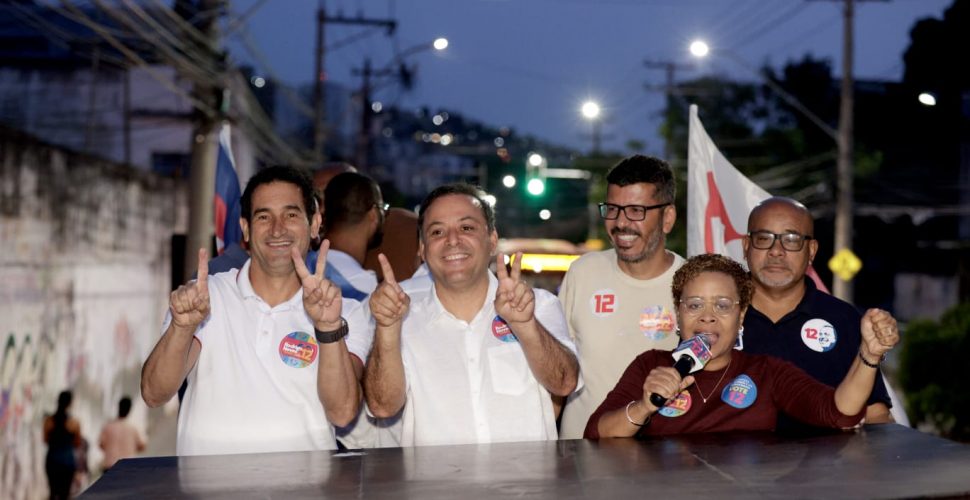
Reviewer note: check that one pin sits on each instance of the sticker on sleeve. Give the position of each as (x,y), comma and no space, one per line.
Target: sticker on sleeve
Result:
(502,331)
(819,335)
(298,349)
(677,406)
(740,392)
(603,303)
(657,322)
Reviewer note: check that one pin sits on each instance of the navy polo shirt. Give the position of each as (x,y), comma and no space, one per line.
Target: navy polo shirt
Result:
(821,336)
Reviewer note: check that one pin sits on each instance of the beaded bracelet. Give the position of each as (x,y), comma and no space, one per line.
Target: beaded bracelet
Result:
(866,362)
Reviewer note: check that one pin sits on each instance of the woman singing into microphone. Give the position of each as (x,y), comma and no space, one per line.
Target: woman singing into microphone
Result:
(735,391)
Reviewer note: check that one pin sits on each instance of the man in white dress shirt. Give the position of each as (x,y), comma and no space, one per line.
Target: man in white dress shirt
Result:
(475,357)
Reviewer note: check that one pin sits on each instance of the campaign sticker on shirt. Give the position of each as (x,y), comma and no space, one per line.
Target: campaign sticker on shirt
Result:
(502,331)
(819,335)
(677,406)
(657,322)
(298,349)
(740,392)
(603,303)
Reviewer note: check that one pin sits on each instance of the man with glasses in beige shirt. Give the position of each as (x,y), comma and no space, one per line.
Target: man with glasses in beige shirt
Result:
(617,301)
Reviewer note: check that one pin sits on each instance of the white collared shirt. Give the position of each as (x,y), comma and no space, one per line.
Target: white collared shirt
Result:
(471,382)
(254,387)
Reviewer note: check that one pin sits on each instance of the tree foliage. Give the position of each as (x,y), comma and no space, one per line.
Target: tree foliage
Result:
(931,372)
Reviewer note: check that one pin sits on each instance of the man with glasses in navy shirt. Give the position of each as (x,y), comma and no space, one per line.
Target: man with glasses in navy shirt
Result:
(789,317)
(617,301)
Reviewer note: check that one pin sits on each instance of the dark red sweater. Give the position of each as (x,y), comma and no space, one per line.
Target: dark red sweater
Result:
(755,388)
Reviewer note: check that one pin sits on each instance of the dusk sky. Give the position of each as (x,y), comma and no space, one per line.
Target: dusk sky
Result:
(529,64)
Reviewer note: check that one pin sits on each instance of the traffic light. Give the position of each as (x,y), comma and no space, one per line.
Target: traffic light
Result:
(535,172)
(536,186)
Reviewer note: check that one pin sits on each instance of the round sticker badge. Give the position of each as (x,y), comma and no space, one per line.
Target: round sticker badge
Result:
(740,392)
(677,406)
(298,349)
(501,330)
(603,303)
(657,322)
(819,335)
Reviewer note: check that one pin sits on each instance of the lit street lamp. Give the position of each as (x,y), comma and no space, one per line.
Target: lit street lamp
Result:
(591,111)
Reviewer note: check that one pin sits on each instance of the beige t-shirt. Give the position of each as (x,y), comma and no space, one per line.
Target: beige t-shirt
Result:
(612,317)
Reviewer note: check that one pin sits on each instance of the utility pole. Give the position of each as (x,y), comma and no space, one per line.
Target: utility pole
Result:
(319,107)
(670,69)
(319,88)
(204,144)
(844,181)
(362,158)
(843,289)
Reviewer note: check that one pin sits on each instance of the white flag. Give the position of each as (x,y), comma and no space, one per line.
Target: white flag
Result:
(719,197)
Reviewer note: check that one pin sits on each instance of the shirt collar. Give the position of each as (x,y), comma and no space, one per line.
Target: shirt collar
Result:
(435,309)
(246,289)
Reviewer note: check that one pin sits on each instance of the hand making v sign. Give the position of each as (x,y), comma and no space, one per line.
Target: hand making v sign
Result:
(321,298)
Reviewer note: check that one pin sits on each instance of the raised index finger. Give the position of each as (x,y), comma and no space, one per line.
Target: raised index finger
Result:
(387,269)
(322,258)
(202,276)
(500,271)
(517,266)
(298,263)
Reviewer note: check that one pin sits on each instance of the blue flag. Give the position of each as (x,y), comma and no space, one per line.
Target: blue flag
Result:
(227,196)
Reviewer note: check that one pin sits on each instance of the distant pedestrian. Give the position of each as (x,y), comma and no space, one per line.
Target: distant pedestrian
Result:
(119,439)
(62,433)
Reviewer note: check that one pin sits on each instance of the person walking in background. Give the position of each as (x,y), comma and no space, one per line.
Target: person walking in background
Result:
(119,439)
(62,433)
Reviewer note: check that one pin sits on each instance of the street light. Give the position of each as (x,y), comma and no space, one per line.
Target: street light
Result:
(591,111)
(927,99)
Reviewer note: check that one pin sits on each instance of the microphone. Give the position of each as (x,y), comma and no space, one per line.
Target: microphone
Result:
(691,355)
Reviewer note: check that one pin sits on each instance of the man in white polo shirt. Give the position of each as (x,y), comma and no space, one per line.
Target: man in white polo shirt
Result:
(269,362)
(473,358)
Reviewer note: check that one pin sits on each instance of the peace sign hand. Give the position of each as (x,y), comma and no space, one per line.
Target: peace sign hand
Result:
(388,304)
(514,299)
(190,302)
(321,298)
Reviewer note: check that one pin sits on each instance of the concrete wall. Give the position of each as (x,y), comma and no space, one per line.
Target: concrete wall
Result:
(84,280)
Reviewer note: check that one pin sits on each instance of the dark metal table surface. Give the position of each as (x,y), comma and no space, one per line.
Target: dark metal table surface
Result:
(886,461)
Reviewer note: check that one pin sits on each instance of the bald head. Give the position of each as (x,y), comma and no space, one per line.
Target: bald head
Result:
(776,205)
(784,231)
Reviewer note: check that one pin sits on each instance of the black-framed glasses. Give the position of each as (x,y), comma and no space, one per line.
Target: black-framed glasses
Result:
(383,207)
(610,211)
(722,306)
(791,241)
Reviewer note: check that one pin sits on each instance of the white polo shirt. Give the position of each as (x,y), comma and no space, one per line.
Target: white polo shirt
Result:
(254,387)
(470,382)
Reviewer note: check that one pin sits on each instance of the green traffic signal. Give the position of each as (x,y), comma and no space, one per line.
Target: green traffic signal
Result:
(536,187)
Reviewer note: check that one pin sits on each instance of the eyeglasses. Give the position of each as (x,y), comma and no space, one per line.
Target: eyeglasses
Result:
(635,213)
(764,240)
(694,306)
(383,207)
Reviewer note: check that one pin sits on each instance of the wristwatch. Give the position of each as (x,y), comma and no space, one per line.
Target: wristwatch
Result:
(333,335)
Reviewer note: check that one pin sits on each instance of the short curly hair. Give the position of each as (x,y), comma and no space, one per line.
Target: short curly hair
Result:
(714,263)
